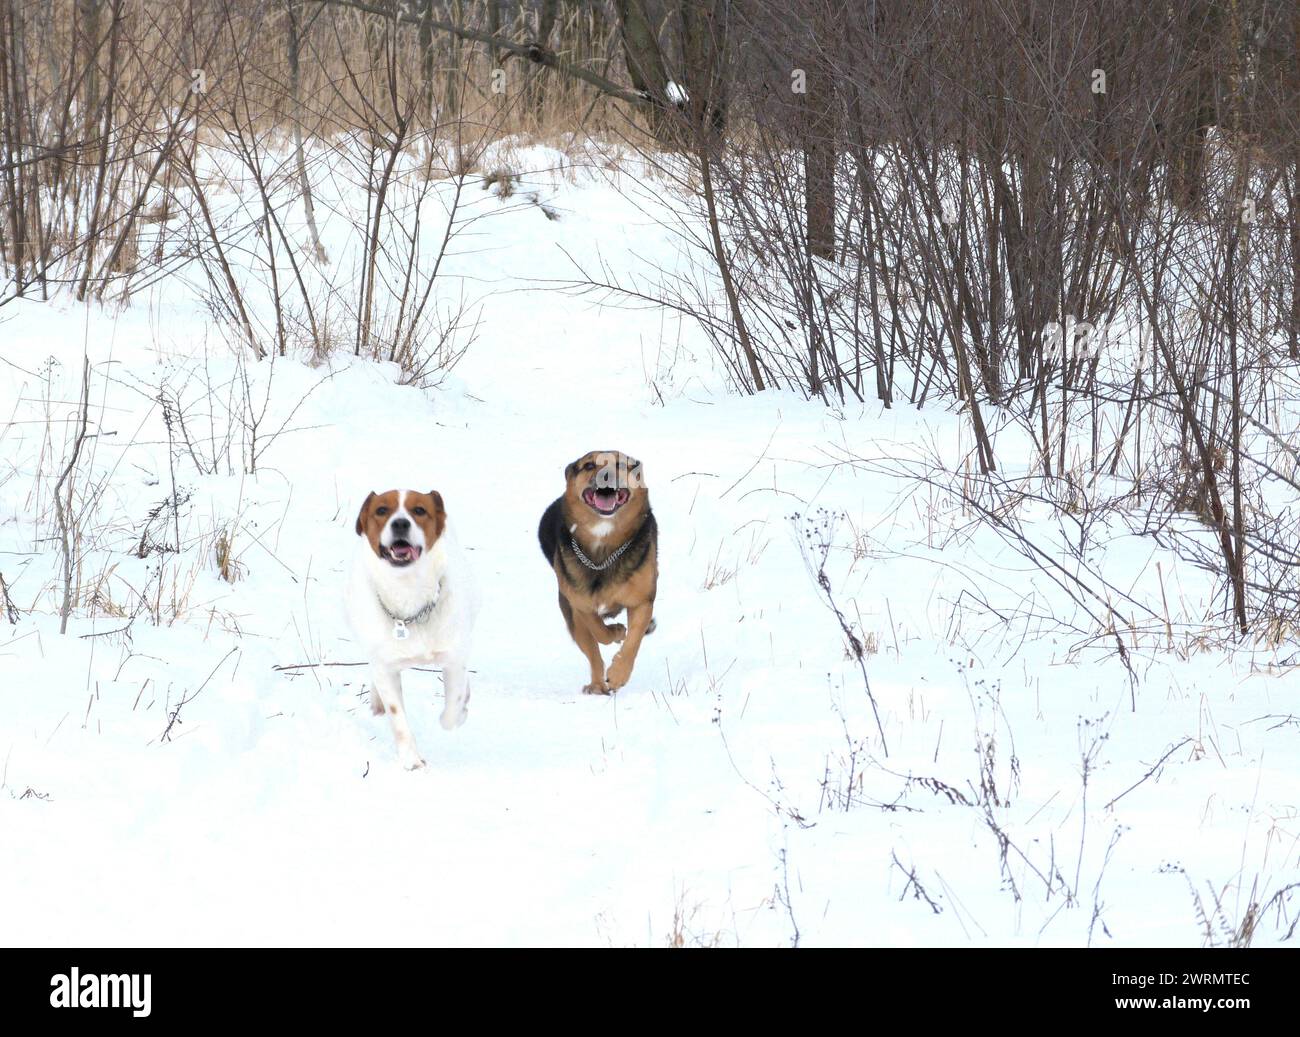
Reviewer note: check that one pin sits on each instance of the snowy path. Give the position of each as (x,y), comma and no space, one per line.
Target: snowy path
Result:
(688,808)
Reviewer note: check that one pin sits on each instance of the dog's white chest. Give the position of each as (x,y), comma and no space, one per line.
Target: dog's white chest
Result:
(405,620)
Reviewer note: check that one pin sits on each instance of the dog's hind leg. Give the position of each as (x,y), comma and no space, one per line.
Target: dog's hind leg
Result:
(388,683)
(455,686)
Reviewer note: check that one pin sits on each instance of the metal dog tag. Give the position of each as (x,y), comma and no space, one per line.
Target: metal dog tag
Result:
(400,631)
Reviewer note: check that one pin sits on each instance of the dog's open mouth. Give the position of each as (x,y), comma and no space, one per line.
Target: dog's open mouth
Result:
(400,552)
(606,501)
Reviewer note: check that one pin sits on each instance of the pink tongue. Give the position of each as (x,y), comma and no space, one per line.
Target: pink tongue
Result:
(402,553)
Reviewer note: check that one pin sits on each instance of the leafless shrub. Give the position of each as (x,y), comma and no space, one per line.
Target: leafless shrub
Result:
(910,201)
(1220,925)
(816,537)
(10,609)
(63,509)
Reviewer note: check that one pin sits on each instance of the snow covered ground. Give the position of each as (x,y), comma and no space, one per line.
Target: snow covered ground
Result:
(194,761)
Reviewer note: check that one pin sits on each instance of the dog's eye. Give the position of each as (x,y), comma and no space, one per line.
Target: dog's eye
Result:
(381,512)
(590,466)
(419,511)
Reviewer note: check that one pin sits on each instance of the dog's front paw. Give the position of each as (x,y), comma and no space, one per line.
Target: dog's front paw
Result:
(617,631)
(597,688)
(619,672)
(452,718)
(411,760)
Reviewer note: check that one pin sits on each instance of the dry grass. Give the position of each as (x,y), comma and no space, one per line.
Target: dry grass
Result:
(501,181)
(343,68)
(229,568)
(717,573)
(686,919)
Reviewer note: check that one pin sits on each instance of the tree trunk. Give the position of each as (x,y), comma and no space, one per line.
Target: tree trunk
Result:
(703,28)
(1294,194)
(1195,114)
(426,62)
(535,93)
(295,91)
(494,27)
(454,72)
(645,63)
(819,160)
(91,28)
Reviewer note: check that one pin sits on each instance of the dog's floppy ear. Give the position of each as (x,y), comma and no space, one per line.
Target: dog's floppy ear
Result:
(361,515)
(571,469)
(439,512)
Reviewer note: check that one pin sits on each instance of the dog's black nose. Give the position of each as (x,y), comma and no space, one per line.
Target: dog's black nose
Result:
(401,525)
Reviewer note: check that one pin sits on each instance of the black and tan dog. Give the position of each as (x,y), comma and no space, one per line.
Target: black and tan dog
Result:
(602,541)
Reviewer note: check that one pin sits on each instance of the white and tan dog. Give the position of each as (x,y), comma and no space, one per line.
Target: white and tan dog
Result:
(411,602)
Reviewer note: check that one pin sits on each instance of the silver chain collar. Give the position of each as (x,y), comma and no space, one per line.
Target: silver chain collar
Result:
(400,622)
(607,562)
